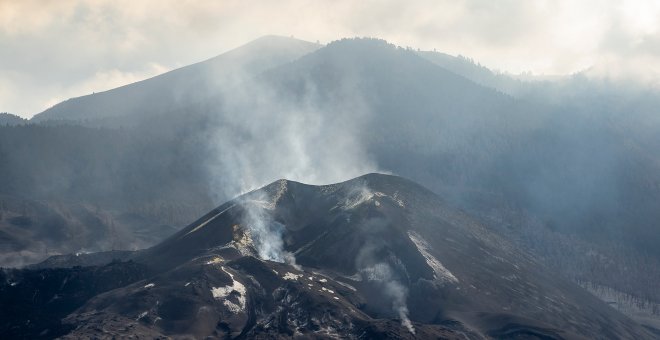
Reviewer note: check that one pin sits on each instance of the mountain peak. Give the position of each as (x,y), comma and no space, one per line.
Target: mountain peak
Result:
(270,44)
(281,39)
(180,87)
(376,255)
(375,247)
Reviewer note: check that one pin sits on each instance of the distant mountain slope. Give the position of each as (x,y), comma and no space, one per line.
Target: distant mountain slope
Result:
(69,189)
(31,230)
(477,73)
(10,119)
(173,89)
(401,106)
(374,256)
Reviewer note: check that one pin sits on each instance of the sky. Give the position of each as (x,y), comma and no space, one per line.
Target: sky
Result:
(52,50)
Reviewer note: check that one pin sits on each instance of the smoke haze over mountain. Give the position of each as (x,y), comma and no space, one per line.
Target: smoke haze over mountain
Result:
(259,134)
(133,41)
(546,185)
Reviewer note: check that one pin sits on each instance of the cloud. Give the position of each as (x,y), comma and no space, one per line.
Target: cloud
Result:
(55,47)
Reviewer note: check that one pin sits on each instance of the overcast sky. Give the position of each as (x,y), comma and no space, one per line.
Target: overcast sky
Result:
(54,50)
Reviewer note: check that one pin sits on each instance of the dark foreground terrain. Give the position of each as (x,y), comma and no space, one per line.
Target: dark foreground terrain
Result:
(377,256)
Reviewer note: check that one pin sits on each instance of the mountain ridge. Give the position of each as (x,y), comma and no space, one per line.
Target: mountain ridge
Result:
(253,57)
(376,254)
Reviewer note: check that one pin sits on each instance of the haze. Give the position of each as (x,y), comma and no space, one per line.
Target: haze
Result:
(348,169)
(55,50)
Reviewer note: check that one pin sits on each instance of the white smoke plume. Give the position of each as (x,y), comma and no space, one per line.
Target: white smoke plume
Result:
(358,195)
(371,267)
(265,232)
(258,136)
(392,289)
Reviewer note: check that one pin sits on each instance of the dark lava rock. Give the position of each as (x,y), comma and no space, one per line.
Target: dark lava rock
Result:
(374,257)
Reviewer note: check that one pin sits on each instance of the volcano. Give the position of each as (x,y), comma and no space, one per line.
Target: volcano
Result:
(376,256)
